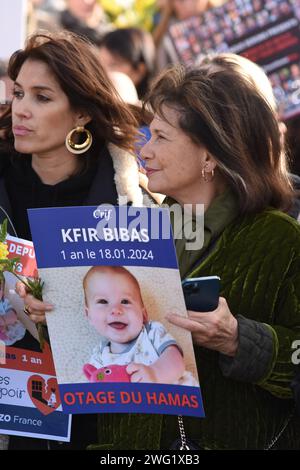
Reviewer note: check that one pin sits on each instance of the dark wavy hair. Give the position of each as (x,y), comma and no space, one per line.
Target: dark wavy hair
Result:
(80,75)
(221,108)
(135,46)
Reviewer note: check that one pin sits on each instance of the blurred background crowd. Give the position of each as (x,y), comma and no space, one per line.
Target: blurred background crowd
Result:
(131,39)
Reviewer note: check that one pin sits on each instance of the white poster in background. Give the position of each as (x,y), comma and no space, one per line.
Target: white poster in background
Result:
(13,15)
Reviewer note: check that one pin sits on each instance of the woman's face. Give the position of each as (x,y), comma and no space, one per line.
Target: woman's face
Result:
(116,63)
(41,112)
(173,161)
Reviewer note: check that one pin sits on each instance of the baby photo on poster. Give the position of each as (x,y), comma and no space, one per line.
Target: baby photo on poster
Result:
(114,349)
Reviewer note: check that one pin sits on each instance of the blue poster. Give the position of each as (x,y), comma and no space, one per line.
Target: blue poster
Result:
(111,274)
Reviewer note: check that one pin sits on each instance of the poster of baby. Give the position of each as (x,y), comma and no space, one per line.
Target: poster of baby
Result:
(111,274)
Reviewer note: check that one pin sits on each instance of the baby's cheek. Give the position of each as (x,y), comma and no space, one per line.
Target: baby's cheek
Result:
(91,318)
(98,324)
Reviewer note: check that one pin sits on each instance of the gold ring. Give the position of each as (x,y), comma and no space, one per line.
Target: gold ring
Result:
(26,310)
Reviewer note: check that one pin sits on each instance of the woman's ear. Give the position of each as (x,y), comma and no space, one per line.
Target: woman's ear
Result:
(82,118)
(209,162)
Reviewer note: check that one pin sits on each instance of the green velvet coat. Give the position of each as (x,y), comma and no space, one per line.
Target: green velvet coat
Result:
(258,261)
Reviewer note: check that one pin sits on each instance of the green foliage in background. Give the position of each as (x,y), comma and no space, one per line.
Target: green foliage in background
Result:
(126,13)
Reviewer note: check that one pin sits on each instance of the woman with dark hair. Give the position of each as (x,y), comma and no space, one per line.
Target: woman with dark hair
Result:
(68,140)
(131,51)
(216,142)
(70,126)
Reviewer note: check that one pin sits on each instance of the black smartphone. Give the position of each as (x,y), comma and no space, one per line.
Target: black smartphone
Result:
(201,294)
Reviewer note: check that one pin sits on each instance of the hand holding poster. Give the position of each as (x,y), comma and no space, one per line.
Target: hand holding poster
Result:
(113,278)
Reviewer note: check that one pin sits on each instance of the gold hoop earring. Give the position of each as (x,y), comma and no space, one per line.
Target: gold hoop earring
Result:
(205,175)
(79,148)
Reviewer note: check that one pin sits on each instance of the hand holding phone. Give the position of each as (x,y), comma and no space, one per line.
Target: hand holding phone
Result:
(201,294)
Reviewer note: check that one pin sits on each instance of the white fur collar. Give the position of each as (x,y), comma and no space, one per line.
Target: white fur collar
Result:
(126,176)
